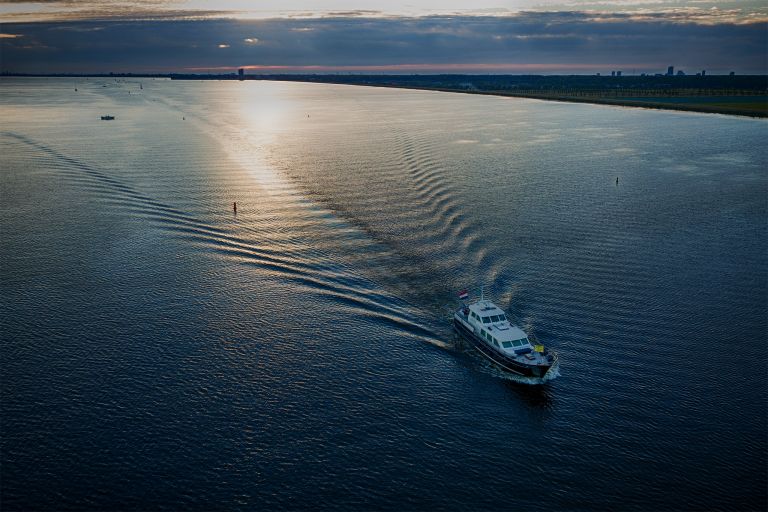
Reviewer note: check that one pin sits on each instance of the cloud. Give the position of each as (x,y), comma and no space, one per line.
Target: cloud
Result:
(56,10)
(77,11)
(352,14)
(79,28)
(529,42)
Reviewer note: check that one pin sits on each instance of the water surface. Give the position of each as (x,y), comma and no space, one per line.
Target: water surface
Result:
(160,351)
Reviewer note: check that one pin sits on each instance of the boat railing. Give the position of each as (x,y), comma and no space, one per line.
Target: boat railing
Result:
(513,319)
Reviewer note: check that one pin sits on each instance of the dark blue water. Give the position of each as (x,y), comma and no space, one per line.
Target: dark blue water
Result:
(160,352)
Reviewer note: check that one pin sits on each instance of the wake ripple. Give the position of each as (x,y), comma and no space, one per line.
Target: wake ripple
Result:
(318,275)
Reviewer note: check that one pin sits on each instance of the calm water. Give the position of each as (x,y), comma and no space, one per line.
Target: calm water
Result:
(160,352)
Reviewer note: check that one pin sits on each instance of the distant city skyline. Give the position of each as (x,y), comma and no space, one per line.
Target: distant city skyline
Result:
(340,36)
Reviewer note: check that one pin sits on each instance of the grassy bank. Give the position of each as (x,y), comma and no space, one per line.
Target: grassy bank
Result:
(716,102)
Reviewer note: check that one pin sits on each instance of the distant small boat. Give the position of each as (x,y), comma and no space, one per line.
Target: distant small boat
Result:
(107,118)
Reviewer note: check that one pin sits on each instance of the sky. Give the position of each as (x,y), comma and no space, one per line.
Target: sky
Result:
(379,36)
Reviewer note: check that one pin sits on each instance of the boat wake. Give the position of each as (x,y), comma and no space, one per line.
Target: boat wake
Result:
(491,369)
(292,259)
(311,203)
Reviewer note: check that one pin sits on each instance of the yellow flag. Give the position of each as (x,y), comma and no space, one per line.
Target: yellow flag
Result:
(538,348)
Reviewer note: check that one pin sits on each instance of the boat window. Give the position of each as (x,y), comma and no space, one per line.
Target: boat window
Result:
(516,343)
(495,342)
(495,318)
(506,344)
(486,319)
(502,318)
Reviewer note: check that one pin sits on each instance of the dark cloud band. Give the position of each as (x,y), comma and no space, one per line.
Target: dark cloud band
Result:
(551,42)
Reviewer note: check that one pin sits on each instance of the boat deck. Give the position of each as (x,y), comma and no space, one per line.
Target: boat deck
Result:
(529,359)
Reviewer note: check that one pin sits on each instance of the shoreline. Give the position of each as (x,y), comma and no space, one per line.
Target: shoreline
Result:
(702,109)
(742,96)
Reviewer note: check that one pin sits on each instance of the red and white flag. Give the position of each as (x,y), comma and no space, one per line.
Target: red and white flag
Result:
(463,294)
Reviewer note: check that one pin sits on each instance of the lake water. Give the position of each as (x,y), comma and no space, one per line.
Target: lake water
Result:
(160,352)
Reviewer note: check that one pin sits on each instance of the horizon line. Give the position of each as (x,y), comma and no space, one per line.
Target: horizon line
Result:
(233,72)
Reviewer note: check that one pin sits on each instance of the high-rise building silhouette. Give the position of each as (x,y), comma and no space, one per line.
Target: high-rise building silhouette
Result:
(670,70)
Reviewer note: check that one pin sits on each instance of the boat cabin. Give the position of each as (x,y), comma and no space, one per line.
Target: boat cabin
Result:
(490,323)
